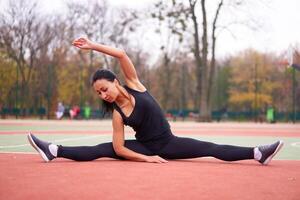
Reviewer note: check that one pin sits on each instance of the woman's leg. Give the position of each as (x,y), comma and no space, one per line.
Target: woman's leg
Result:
(181,148)
(50,151)
(88,153)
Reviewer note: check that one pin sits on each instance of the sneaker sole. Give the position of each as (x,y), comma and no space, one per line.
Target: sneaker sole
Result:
(275,152)
(37,148)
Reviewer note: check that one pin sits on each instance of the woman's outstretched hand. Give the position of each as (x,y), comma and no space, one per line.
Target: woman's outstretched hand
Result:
(83,43)
(155,159)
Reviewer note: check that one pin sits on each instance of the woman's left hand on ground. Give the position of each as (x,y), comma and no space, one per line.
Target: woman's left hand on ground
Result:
(155,159)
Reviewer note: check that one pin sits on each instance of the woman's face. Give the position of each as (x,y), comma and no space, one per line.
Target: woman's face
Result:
(106,90)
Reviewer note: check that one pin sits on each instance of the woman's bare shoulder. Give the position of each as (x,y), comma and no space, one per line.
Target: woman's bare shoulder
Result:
(137,86)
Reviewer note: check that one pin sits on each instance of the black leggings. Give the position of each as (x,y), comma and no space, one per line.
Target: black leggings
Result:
(176,148)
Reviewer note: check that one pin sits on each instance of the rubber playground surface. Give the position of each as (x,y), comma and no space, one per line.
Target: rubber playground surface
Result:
(24,175)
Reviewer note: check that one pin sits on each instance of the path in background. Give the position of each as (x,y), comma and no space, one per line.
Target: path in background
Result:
(104,127)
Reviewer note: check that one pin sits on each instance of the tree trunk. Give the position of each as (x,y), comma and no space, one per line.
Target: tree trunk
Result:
(213,59)
(205,113)
(196,52)
(183,88)
(166,82)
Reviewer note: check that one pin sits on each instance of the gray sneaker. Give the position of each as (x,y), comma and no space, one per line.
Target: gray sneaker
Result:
(269,151)
(41,146)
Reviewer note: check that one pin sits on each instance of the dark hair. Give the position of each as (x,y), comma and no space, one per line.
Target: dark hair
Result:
(110,76)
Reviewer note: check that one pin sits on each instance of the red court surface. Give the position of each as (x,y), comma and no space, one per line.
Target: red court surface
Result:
(27,177)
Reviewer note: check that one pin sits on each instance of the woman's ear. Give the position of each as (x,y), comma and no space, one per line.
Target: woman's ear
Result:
(116,82)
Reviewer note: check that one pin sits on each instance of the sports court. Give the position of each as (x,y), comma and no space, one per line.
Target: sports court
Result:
(24,175)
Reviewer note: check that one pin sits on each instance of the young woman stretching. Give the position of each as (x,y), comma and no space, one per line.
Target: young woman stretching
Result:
(133,105)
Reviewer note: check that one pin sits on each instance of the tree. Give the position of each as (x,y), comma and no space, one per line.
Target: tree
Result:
(20,31)
(222,85)
(170,26)
(251,82)
(7,80)
(204,44)
(205,72)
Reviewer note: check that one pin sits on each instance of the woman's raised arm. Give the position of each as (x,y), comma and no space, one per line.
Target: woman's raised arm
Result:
(128,68)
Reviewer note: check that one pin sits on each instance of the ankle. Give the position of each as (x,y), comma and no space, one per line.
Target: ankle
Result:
(257,154)
(53,149)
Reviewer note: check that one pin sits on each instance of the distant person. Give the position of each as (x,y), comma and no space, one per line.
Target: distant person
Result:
(270,114)
(223,113)
(181,114)
(133,105)
(60,111)
(193,115)
(74,112)
(87,111)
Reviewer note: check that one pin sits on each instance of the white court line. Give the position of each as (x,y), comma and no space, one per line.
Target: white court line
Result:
(295,144)
(14,146)
(55,141)
(14,152)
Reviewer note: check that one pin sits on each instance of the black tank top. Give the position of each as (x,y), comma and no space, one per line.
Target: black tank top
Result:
(147,119)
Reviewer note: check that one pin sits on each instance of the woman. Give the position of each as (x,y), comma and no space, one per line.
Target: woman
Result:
(133,105)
